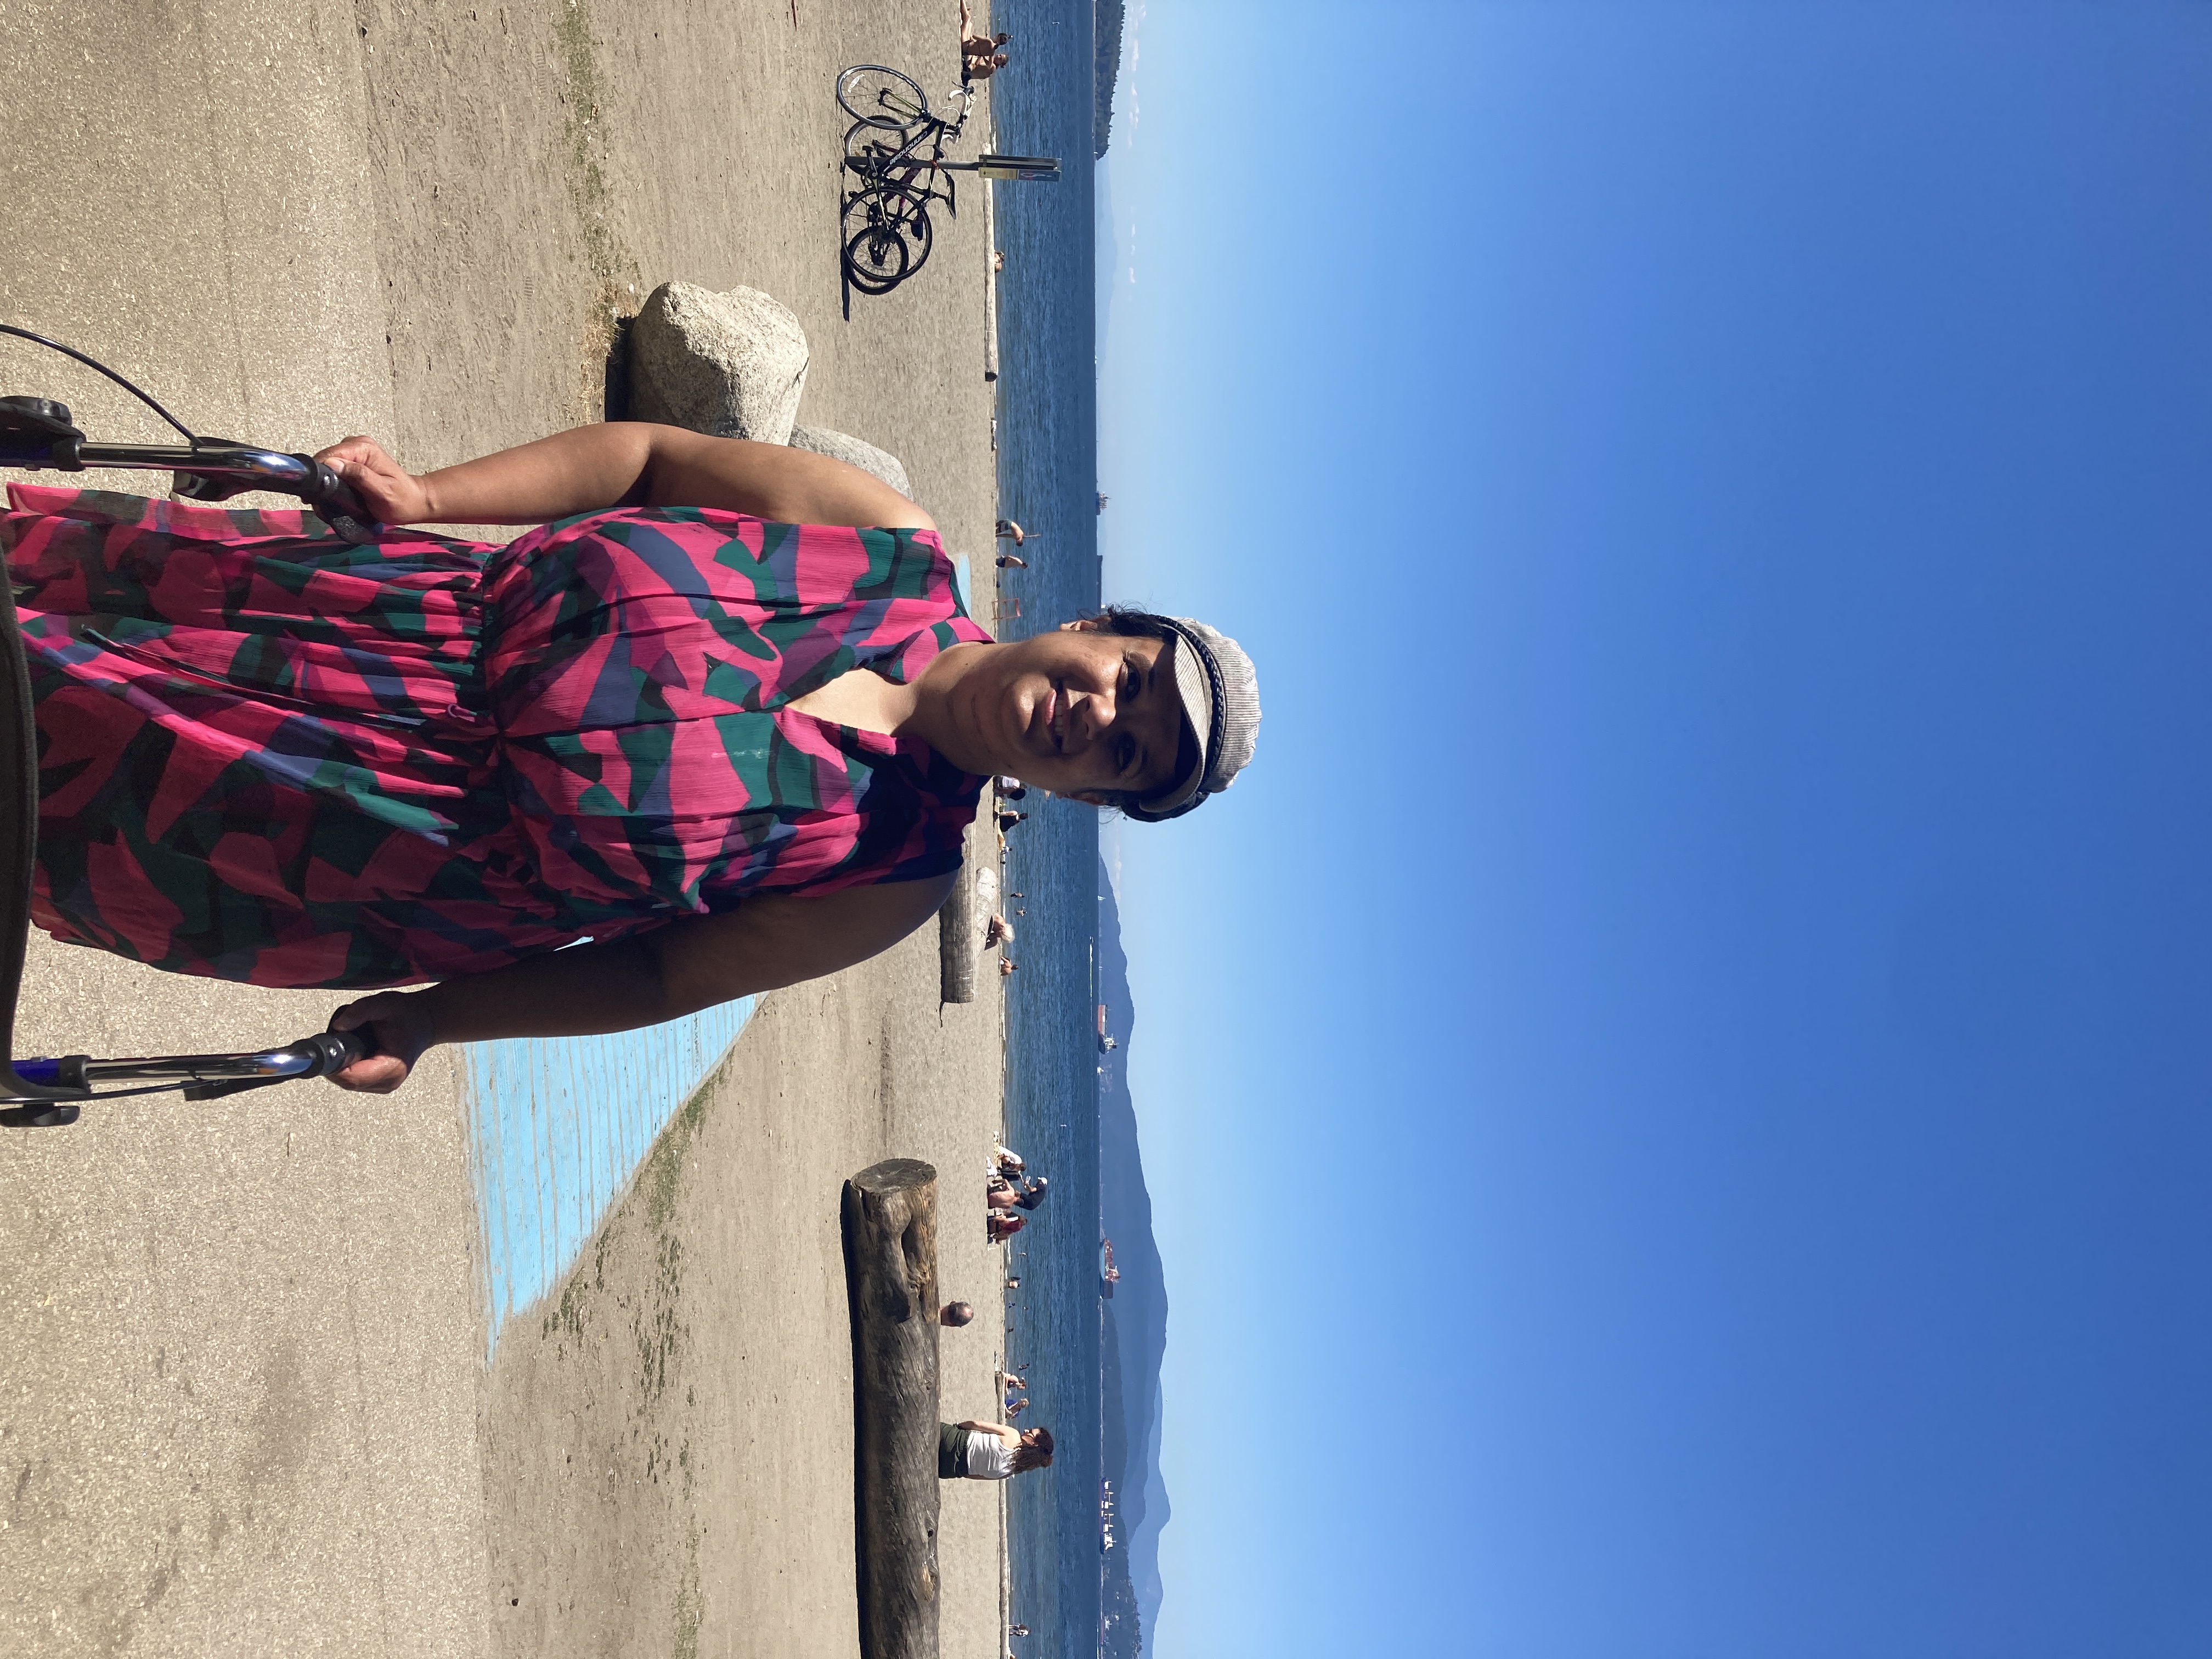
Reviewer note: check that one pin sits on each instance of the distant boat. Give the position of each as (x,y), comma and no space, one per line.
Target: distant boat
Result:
(1107,1273)
(1106,1044)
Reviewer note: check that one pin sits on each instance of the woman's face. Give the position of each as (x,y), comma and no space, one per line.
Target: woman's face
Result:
(1029,1437)
(1077,711)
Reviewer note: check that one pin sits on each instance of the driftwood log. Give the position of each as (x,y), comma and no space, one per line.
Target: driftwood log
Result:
(959,941)
(891,1278)
(965,915)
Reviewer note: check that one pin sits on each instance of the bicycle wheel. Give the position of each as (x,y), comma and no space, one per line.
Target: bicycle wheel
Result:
(882,97)
(914,223)
(866,139)
(876,255)
(907,211)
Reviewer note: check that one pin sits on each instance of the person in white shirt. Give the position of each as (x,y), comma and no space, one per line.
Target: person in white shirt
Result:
(990,1451)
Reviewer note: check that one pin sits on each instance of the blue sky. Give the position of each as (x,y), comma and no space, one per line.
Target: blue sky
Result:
(1677,1089)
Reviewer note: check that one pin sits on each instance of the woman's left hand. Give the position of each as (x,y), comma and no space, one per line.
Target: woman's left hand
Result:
(400,1024)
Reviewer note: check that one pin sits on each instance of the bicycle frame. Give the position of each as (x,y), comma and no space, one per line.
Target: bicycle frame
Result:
(903,169)
(913,113)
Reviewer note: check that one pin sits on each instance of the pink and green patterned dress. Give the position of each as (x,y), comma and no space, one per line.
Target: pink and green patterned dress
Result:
(267,754)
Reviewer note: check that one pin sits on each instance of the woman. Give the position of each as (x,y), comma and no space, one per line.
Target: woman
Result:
(990,1451)
(723,717)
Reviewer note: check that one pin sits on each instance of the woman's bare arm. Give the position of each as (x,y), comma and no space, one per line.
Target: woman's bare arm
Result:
(691,964)
(624,464)
(1007,1435)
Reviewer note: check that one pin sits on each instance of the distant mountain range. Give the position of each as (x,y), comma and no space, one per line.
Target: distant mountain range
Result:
(1135,1331)
(1106,42)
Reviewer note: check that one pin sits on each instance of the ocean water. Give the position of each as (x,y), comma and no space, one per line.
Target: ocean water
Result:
(1041,105)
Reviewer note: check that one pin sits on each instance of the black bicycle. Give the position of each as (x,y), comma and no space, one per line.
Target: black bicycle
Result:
(38,434)
(896,146)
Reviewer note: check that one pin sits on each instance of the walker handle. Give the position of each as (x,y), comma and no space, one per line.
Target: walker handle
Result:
(336,504)
(218,469)
(44,1093)
(323,1053)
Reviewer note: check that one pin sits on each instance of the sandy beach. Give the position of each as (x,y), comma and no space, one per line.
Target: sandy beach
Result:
(245,1405)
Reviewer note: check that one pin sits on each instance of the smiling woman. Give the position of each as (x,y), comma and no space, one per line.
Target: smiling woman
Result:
(720,724)
(1096,710)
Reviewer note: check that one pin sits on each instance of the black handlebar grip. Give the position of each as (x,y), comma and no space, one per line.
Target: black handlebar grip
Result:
(336,1050)
(337,505)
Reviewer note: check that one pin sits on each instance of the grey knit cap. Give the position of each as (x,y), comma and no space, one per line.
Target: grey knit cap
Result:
(1220,693)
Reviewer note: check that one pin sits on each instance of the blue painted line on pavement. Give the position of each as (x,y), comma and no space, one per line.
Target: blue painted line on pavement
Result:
(559,1125)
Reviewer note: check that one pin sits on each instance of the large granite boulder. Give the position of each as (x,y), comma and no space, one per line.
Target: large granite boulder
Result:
(865,456)
(732,364)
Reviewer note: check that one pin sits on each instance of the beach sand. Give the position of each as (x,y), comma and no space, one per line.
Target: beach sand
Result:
(244,1404)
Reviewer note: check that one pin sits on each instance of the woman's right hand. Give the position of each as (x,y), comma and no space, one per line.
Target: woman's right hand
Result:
(392,495)
(400,1024)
